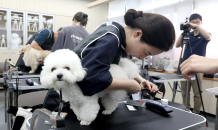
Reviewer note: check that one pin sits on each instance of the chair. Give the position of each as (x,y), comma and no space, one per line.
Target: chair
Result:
(28,99)
(32,98)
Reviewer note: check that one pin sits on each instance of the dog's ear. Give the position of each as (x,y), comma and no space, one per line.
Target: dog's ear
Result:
(80,74)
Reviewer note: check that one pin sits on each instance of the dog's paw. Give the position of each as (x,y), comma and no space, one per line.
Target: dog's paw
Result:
(78,119)
(82,122)
(106,112)
(31,72)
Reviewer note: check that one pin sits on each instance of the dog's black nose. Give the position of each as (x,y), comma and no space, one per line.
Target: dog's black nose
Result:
(59,76)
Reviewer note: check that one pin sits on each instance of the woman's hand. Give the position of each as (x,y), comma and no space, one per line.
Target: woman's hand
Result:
(151,87)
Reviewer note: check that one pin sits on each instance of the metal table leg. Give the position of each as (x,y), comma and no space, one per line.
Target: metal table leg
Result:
(10,97)
(5,91)
(186,94)
(174,90)
(15,99)
(216,121)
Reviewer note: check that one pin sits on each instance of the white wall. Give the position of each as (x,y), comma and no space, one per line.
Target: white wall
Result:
(175,10)
(176,13)
(208,10)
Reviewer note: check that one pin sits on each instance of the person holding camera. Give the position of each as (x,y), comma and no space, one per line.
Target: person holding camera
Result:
(198,40)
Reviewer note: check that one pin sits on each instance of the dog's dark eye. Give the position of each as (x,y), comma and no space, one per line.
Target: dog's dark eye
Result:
(67,68)
(53,69)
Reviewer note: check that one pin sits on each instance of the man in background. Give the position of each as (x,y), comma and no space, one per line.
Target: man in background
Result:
(199,39)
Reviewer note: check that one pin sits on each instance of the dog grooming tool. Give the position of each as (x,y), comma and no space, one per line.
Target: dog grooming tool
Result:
(29,82)
(20,73)
(158,107)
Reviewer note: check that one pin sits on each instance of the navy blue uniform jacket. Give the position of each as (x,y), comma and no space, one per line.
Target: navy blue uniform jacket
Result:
(97,59)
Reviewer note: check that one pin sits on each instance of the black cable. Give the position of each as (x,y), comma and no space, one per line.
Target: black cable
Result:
(61,94)
(61,104)
(17,81)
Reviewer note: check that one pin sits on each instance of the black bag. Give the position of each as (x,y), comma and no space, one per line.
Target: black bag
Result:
(52,100)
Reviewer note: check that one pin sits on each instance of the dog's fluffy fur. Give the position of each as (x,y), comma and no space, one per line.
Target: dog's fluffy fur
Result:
(31,56)
(62,69)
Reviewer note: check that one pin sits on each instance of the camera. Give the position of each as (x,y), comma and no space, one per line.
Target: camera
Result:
(185,27)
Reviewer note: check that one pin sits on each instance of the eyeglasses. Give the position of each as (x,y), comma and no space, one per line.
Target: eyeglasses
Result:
(196,22)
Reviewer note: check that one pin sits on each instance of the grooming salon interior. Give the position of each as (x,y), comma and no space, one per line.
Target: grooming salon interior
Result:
(108,65)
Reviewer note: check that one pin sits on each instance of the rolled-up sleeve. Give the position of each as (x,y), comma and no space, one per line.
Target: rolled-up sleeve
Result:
(97,59)
(42,37)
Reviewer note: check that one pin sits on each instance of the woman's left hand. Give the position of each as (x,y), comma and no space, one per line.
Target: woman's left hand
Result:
(151,87)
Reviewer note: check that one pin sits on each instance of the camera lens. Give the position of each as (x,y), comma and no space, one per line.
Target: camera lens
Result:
(186,27)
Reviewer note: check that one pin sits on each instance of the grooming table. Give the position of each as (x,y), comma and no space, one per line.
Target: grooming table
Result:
(214,91)
(142,119)
(173,78)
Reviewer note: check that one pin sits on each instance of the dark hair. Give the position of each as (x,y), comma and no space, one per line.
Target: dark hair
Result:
(59,30)
(81,17)
(195,16)
(157,30)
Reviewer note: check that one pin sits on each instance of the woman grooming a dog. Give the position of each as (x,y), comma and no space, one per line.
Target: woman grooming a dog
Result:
(145,34)
(42,40)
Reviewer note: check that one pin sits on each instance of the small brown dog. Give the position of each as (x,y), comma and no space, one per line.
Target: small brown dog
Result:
(31,56)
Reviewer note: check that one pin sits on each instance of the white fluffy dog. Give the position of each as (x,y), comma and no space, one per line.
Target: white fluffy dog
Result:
(31,56)
(62,69)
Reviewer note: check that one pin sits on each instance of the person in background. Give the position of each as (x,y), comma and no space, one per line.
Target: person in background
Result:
(144,35)
(199,39)
(70,36)
(42,40)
